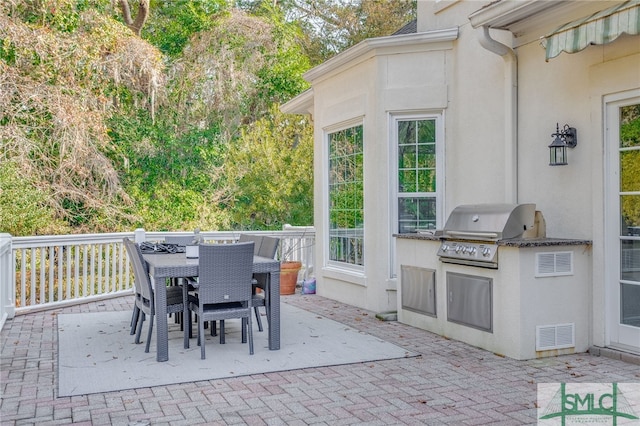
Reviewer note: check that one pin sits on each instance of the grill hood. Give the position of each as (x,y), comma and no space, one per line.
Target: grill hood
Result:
(489,222)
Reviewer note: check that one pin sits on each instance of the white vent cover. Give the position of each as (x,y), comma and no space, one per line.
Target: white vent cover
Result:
(558,336)
(554,264)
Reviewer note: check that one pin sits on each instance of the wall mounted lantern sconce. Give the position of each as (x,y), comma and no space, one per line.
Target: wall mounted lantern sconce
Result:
(567,137)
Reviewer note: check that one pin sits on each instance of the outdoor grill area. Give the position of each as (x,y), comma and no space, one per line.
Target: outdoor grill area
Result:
(493,279)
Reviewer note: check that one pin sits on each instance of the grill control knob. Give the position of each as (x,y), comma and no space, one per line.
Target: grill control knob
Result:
(445,248)
(459,249)
(471,250)
(486,251)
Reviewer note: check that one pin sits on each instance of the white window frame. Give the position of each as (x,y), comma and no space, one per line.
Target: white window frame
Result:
(394,118)
(349,270)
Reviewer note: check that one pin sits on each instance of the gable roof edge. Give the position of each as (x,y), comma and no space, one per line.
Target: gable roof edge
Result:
(364,48)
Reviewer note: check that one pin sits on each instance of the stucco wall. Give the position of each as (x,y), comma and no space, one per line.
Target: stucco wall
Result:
(340,100)
(471,87)
(369,92)
(475,123)
(570,89)
(446,13)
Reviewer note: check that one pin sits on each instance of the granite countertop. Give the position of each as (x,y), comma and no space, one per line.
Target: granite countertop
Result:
(543,242)
(515,242)
(416,236)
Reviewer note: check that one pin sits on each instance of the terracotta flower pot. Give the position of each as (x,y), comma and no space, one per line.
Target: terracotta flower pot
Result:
(289,276)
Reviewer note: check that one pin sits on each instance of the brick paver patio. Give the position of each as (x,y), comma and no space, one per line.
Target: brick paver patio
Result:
(450,383)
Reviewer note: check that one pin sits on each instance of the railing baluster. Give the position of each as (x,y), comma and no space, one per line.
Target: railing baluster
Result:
(107,268)
(59,265)
(95,268)
(85,271)
(23,278)
(76,270)
(34,274)
(44,266)
(100,263)
(88,291)
(114,269)
(120,267)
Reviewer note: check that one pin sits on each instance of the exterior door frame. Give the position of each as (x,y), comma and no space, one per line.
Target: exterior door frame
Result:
(617,335)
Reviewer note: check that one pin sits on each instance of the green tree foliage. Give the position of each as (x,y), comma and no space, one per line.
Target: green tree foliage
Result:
(173,22)
(57,88)
(170,176)
(269,173)
(232,73)
(59,15)
(106,131)
(331,26)
(224,81)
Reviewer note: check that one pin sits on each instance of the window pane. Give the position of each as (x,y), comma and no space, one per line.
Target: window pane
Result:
(427,213)
(630,215)
(426,156)
(407,181)
(426,131)
(630,126)
(346,196)
(630,171)
(630,260)
(406,156)
(426,181)
(416,213)
(406,132)
(630,304)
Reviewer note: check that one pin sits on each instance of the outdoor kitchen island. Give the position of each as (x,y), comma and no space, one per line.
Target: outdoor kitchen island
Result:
(533,303)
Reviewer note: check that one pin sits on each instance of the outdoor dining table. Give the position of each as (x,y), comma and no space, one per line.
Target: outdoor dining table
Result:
(177,265)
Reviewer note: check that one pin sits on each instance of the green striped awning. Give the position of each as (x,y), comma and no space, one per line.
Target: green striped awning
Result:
(600,28)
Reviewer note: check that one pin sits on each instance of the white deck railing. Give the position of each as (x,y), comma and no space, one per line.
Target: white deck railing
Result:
(43,272)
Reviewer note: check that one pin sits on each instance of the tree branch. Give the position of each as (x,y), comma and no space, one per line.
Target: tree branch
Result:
(141,17)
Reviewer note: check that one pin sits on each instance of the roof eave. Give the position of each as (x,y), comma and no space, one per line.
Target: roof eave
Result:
(365,48)
(502,14)
(301,104)
(531,18)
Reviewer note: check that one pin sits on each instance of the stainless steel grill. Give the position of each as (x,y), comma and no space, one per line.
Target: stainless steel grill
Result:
(472,232)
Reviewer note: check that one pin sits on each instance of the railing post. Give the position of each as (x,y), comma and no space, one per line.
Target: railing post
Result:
(140,235)
(303,247)
(7,280)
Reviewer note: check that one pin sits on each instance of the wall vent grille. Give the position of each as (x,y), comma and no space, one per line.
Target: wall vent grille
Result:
(558,336)
(554,264)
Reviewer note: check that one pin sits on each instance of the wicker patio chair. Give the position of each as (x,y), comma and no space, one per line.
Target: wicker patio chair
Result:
(257,241)
(137,287)
(146,301)
(137,293)
(224,288)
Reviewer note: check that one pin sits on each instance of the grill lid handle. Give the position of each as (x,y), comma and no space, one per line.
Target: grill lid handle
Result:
(473,234)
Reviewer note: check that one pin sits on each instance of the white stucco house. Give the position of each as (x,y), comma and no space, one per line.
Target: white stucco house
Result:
(473,92)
